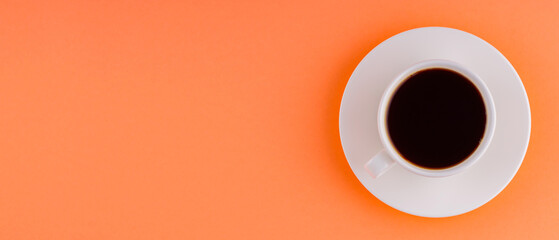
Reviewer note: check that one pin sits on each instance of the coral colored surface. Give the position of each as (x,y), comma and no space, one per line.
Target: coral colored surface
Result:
(219,119)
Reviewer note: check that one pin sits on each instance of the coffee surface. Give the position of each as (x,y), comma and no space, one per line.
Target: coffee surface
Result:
(436,118)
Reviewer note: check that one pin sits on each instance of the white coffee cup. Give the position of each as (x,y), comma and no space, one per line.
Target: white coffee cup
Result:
(389,156)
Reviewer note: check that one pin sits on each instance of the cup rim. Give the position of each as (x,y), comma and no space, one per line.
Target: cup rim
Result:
(399,80)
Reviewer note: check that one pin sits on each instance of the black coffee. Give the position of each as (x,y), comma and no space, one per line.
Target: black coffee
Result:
(436,118)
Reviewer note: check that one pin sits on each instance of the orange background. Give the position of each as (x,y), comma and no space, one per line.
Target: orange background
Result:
(219,119)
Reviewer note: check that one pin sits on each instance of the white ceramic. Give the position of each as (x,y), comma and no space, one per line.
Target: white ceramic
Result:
(387,157)
(435,196)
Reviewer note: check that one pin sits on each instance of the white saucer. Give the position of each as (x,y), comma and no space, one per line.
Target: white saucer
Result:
(424,196)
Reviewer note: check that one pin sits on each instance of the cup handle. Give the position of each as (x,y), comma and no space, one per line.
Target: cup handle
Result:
(379,164)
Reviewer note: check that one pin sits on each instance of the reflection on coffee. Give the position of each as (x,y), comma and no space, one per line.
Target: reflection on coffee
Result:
(436,118)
